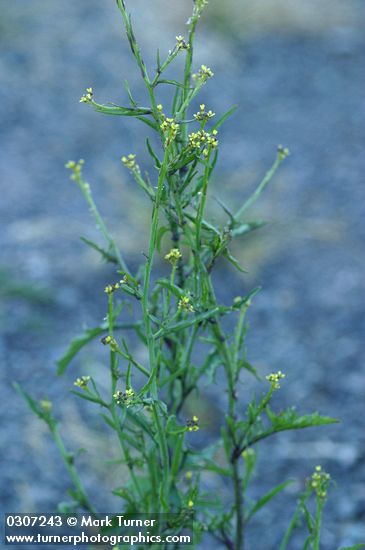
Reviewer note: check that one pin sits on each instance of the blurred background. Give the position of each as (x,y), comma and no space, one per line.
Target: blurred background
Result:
(296,71)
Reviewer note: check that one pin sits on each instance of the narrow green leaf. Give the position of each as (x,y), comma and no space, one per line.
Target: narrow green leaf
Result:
(33,405)
(89,397)
(243,364)
(189,322)
(160,233)
(245,228)
(107,256)
(226,442)
(308,518)
(76,344)
(266,498)
(153,154)
(211,466)
(356,547)
(177,165)
(173,82)
(128,90)
(122,492)
(108,420)
(224,117)
(233,261)
(205,225)
(171,287)
(177,455)
(247,298)
(90,334)
(149,122)
(225,209)
(117,110)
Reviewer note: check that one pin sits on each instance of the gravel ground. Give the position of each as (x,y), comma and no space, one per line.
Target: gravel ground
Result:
(300,88)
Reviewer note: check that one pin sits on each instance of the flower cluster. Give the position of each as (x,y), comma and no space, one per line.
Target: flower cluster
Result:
(203,74)
(82,382)
(202,114)
(319,482)
(185,304)
(130,163)
(181,44)
(173,256)
(274,378)
(124,398)
(110,341)
(199,139)
(109,289)
(87,97)
(75,167)
(193,424)
(170,129)
(283,152)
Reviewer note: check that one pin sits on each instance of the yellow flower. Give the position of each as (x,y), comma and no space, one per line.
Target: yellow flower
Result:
(75,167)
(82,382)
(181,44)
(170,129)
(125,398)
(319,482)
(185,304)
(110,341)
(283,152)
(203,74)
(109,289)
(193,424)
(173,256)
(274,378)
(208,139)
(130,163)
(87,97)
(202,114)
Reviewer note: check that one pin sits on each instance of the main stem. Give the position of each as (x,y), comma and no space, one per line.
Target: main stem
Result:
(147,276)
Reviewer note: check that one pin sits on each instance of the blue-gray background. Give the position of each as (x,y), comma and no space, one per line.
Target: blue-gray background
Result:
(296,70)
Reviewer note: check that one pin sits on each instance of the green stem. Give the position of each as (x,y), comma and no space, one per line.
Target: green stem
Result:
(187,73)
(260,188)
(85,189)
(201,208)
(164,454)
(294,521)
(68,460)
(113,409)
(147,275)
(138,57)
(318,522)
